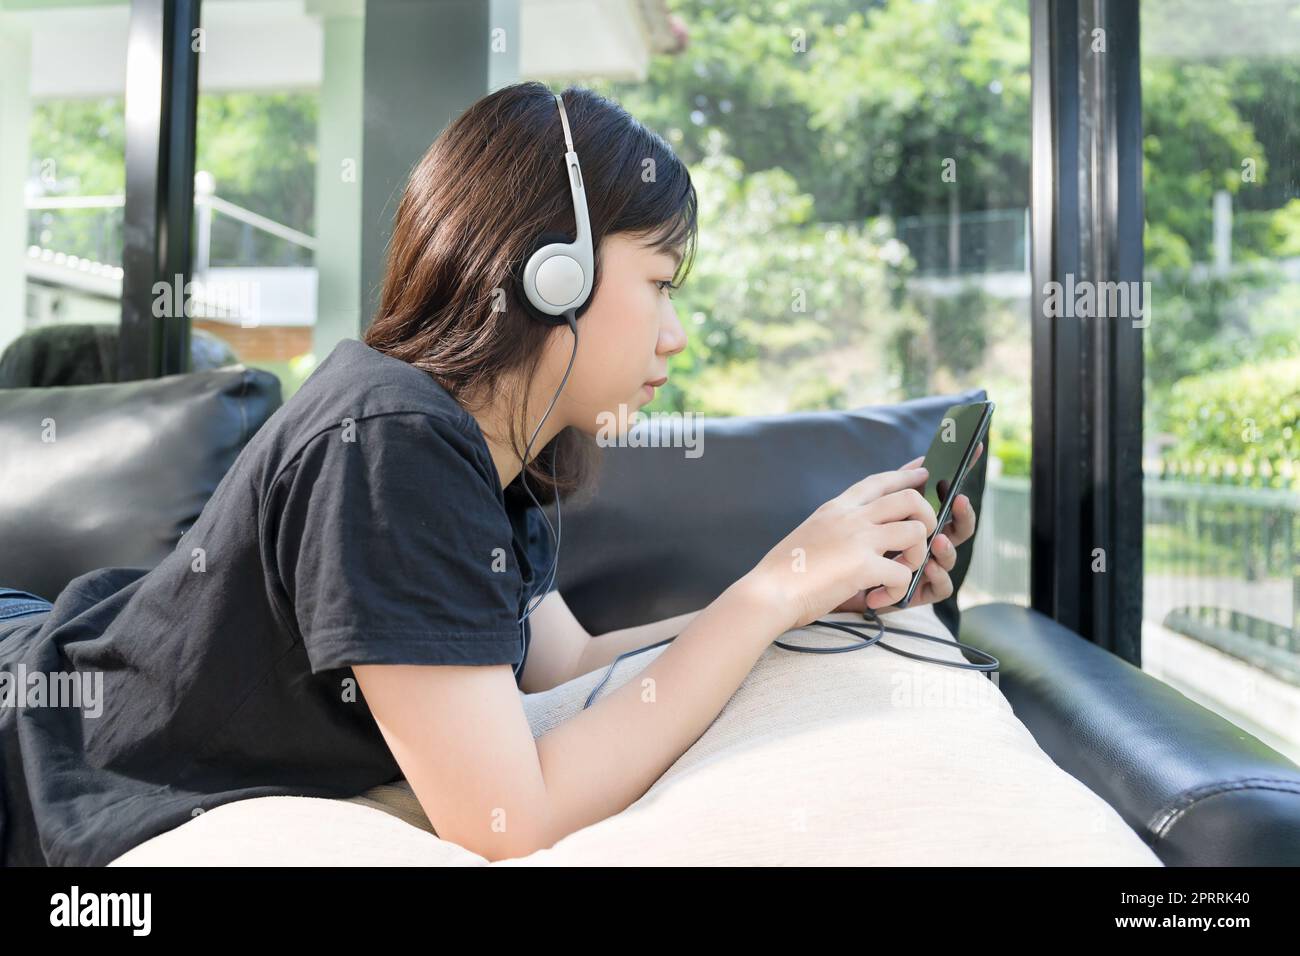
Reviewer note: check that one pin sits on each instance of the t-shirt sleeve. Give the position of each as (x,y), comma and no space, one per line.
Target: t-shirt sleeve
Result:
(394,547)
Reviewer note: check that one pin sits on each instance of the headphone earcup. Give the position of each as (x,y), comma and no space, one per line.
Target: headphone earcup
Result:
(545,239)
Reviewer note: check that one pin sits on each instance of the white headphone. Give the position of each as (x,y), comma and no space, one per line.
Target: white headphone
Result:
(558,276)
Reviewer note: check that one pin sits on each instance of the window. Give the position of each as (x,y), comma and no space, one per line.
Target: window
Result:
(1221,597)
(62,176)
(863,172)
(277,224)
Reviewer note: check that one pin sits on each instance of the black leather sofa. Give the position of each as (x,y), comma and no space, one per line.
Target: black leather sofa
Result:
(111,475)
(133,464)
(1197,788)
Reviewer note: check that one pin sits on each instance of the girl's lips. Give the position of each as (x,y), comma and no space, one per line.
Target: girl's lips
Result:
(648,389)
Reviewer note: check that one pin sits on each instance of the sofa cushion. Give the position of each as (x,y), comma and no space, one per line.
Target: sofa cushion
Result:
(297,831)
(1201,790)
(647,542)
(864,758)
(112,475)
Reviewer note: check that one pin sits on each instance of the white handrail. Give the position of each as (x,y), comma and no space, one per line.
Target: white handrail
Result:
(261,222)
(214,202)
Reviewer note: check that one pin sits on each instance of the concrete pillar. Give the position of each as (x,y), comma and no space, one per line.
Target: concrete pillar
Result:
(425,64)
(338,172)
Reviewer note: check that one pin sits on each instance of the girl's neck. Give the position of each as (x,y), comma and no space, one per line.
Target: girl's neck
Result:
(493,423)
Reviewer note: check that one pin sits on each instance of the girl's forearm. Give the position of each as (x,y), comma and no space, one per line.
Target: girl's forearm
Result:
(601,649)
(603,759)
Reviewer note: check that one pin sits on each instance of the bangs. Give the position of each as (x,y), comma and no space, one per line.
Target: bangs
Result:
(676,232)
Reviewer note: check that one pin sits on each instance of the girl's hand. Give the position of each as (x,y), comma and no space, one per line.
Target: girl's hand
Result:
(840,549)
(936,585)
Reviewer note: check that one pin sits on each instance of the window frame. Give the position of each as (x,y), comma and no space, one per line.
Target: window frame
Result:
(1087,377)
(1086,214)
(161,104)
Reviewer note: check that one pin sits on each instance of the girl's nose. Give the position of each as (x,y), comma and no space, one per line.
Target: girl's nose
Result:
(673,339)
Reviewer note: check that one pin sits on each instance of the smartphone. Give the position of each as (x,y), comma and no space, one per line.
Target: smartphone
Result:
(961,430)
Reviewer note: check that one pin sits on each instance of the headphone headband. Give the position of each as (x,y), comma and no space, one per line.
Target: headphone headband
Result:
(564,121)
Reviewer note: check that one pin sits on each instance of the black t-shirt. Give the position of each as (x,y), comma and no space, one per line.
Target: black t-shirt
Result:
(363,523)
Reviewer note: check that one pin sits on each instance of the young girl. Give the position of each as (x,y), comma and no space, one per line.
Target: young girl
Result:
(361,598)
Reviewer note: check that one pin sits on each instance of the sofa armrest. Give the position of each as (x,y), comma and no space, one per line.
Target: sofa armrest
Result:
(1197,788)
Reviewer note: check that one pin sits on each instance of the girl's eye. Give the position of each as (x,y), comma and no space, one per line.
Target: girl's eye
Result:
(667,284)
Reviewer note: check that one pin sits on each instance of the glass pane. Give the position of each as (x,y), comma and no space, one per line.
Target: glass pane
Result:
(277,216)
(863,172)
(62,176)
(1221,117)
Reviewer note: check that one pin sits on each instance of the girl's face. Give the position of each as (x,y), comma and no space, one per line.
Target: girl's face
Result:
(624,339)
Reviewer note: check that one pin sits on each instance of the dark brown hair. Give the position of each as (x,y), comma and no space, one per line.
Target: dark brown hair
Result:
(475,204)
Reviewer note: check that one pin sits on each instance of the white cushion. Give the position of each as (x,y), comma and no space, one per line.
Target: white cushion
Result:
(864,758)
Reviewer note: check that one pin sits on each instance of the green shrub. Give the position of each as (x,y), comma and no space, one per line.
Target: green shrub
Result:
(1245,420)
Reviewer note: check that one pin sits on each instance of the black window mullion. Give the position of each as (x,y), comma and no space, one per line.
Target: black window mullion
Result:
(161,102)
(1086,507)
(1125,421)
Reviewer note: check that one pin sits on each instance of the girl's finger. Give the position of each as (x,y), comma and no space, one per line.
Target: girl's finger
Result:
(938,582)
(933,576)
(963,520)
(944,552)
(879,598)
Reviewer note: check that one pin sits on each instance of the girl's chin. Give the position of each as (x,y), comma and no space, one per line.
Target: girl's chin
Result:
(620,417)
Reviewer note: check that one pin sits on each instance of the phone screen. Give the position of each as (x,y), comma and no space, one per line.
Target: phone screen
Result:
(960,431)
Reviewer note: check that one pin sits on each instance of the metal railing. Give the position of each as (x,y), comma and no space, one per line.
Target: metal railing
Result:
(999,569)
(970,243)
(1221,564)
(226,234)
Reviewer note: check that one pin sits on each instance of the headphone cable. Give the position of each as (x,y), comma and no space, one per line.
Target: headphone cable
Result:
(869,615)
(556,534)
(867,641)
